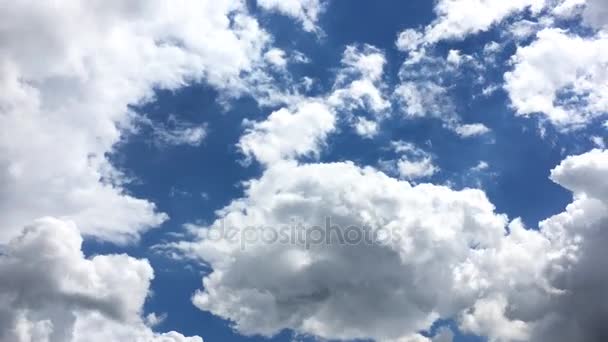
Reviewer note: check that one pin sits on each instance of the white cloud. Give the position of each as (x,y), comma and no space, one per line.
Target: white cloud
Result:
(301,130)
(412,169)
(426,84)
(524,29)
(506,282)
(288,134)
(419,99)
(409,40)
(584,174)
(413,162)
(64,113)
(471,130)
(359,82)
(457,18)
(366,128)
(305,11)
(481,166)
(276,57)
(50,292)
(345,291)
(598,141)
(562,77)
(454,57)
(559,296)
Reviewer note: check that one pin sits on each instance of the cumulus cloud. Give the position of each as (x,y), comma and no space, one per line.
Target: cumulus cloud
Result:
(571,274)
(419,99)
(288,134)
(301,129)
(560,76)
(305,11)
(50,292)
(276,57)
(63,114)
(412,163)
(366,128)
(471,130)
(457,19)
(345,290)
(496,278)
(359,82)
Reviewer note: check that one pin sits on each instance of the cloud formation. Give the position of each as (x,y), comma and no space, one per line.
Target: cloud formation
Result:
(50,292)
(62,118)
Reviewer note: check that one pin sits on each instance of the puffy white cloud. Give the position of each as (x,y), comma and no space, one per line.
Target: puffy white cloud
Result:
(428,99)
(584,174)
(301,129)
(366,128)
(559,296)
(50,292)
(420,99)
(562,77)
(412,169)
(305,11)
(61,114)
(409,40)
(598,141)
(413,162)
(457,18)
(359,82)
(346,290)
(425,89)
(288,134)
(471,130)
(276,57)
(394,257)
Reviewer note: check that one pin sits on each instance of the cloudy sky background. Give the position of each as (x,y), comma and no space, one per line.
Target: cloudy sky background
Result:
(475,130)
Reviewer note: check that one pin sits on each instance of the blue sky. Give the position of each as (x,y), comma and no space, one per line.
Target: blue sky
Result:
(476,130)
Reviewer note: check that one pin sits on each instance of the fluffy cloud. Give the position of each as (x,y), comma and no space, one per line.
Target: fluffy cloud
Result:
(359,82)
(61,115)
(419,99)
(413,162)
(50,292)
(305,11)
(457,19)
(584,174)
(301,129)
(471,130)
(567,300)
(365,273)
(345,290)
(366,128)
(562,77)
(287,135)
